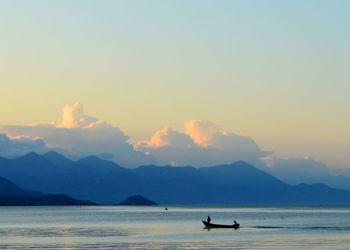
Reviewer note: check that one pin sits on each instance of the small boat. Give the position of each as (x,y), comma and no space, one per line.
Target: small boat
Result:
(209,225)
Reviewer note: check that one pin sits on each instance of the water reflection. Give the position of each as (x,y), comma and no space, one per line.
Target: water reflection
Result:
(63,232)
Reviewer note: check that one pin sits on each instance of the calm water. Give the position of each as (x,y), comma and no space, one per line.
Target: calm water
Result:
(107,227)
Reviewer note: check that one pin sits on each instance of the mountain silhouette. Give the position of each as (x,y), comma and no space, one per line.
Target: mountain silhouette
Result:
(13,195)
(9,188)
(101,181)
(58,159)
(44,200)
(137,200)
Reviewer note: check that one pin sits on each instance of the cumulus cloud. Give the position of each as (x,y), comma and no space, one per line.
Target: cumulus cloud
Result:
(82,135)
(209,134)
(73,117)
(20,145)
(166,137)
(203,133)
(203,143)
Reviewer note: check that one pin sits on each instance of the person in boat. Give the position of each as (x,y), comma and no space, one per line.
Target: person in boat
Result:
(208,219)
(235,223)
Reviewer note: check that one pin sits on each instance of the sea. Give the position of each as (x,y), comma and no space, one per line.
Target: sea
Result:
(123,227)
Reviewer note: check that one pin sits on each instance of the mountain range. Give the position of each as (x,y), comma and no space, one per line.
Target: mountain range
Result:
(43,200)
(106,182)
(13,195)
(9,188)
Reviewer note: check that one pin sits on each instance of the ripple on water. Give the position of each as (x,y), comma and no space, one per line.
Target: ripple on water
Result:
(245,244)
(65,232)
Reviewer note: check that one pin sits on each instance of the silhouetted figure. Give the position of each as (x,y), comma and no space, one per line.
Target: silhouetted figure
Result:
(208,219)
(235,223)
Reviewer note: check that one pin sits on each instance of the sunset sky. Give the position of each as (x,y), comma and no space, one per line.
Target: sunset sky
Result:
(275,71)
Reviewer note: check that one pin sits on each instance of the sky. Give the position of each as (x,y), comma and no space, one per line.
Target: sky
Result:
(274,71)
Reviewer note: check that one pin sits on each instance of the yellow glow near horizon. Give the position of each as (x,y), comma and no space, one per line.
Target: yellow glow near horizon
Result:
(254,69)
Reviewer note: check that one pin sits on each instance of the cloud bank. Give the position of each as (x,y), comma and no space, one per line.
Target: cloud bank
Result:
(82,135)
(202,143)
(20,145)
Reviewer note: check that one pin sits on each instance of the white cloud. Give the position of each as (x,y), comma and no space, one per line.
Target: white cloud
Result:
(166,137)
(209,134)
(202,132)
(202,144)
(73,117)
(20,145)
(82,135)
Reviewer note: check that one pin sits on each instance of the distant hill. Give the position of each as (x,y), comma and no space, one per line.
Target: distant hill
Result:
(335,181)
(44,200)
(13,195)
(106,182)
(9,188)
(58,159)
(87,179)
(137,200)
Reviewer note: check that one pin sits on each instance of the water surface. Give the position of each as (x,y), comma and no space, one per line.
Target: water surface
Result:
(108,227)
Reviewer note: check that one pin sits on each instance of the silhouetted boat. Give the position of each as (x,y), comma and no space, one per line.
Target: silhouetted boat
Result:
(210,225)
